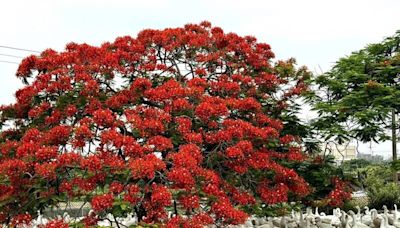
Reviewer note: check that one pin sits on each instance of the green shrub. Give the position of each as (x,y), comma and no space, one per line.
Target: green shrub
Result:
(380,195)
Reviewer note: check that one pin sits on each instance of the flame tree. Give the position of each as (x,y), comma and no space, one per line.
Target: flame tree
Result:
(186,120)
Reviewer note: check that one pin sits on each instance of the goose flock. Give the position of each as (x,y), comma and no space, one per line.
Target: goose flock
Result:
(310,219)
(338,219)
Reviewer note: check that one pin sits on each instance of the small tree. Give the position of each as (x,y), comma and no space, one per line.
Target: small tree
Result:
(186,120)
(359,97)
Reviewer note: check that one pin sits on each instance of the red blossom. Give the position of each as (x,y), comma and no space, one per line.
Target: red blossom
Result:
(102,202)
(116,187)
(276,194)
(46,170)
(340,194)
(57,223)
(21,219)
(132,194)
(210,108)
(160,143)
(46,153)
(190,201)
(146,167)
(58,135)
(103,117)
(160,195)
(224,209)
(91,163)
(181,177)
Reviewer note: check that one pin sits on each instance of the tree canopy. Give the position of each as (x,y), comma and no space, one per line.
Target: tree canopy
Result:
(189,120)
(357,97)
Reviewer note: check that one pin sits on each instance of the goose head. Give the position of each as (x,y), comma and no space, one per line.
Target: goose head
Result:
(318,220)
(367,211)
(309,211)
(384,207)
(316,211)
(91,212)
(358,209)
(283,221)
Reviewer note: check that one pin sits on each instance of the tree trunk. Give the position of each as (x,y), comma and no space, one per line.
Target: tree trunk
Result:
(394,143)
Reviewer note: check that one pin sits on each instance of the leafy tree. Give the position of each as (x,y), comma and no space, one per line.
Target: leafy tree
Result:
(359,97)
(189,120)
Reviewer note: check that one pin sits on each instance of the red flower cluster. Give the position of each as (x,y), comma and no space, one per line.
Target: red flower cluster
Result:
(57,223)
(21,219)
(160,198)
(340,194)
(102,202)
(276,194)
(146,167)
(197,221)
(103,117)
(132,194)
(224,210)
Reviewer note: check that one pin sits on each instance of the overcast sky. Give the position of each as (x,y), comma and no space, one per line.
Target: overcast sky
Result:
(315,32)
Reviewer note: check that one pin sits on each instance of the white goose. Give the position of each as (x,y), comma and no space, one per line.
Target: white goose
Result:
(367,218)
(334,218)
(262,221)
(386,212)
(309,223)
(386,222)
(301,222)
(396,221)
(66,217)
(316,212)
(40,220)
(367,213)
(270,222)
(355,222)
(358,215)
(377,220)
(346,221)
(395,212)
(320,224)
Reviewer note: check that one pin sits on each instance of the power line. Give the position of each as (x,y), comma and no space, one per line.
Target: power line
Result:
(19,49)
(3,61)
(13,56)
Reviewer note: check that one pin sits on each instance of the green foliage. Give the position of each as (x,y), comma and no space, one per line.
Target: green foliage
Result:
(395,165)
(387,194)
(354,164)
(378,182)
(376,176)
(319,176)
(361,89)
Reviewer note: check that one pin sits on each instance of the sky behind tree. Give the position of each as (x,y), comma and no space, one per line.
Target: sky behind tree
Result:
(316,33)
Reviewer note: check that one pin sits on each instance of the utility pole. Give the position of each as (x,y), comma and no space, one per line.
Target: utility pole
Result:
(394,144)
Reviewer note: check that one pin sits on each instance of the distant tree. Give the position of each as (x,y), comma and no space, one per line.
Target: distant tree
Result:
(355,164)
(359,97)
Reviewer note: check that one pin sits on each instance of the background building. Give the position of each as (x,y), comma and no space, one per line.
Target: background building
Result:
(340,152)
